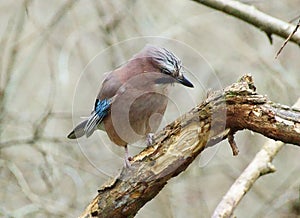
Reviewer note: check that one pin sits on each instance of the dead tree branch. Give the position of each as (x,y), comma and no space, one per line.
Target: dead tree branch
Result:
(222,114)
(270,25)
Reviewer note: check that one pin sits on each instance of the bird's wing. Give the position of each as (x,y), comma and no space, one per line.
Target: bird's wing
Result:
(110,85)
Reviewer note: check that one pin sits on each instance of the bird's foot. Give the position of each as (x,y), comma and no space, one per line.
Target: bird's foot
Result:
(127,163)
(150,139)
(127,160)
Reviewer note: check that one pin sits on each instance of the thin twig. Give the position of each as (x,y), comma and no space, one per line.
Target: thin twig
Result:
(288,38)
(232,143)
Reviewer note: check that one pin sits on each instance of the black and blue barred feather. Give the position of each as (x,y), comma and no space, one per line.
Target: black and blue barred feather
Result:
(101,109)
(87,127)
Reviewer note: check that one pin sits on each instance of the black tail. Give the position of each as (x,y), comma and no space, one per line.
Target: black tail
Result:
(87,127)
(92,123)
(78,131)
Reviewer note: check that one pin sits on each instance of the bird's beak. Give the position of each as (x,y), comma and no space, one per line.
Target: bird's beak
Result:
(184,81)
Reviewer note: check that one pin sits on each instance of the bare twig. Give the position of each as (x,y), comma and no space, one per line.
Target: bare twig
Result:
(13,77)
(260,165)
(32,140)
(270,25)
(40,124)
(11,61)
(232,143)
(288,38)
(30,195)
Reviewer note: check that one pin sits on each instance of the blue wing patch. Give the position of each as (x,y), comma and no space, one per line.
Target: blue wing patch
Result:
(101,110)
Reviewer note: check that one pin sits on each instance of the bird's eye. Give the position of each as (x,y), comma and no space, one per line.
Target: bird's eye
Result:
(166,71)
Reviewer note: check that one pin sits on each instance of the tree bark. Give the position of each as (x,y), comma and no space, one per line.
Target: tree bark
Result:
(221,115)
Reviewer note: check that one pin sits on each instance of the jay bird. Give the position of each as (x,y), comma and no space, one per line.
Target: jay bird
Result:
(133,98)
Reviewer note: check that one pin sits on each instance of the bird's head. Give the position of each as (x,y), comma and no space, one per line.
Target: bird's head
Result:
(169,65)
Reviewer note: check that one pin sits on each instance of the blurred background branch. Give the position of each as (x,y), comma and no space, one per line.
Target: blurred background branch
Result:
(248,13)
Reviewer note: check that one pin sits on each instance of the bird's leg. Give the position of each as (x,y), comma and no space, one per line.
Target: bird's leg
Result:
(127,163)
(150,139)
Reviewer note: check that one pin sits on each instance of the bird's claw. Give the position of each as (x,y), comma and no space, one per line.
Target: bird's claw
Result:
(150,139)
